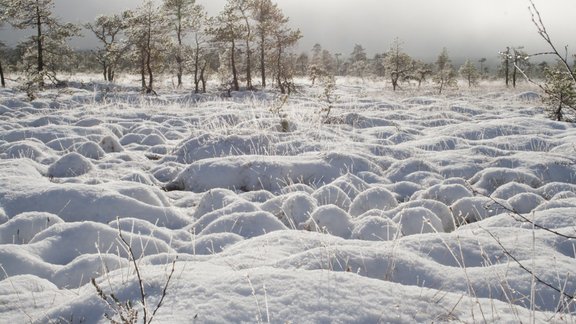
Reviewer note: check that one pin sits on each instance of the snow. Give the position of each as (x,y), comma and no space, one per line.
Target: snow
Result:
(402,207)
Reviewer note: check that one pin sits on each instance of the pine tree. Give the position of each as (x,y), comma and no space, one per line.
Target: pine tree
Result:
(469,72)
(445,75)
(398,64)
(358,61)
(560,90)
(270,21)
(420,71)
(184,17)
(147,35)
(108,30)
(227,28)
(284,38)
(47,49)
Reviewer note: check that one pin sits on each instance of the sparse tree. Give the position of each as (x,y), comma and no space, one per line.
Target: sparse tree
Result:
(378,64)
(560,91)
(358,61)
(398,64)
(506,64)
(184,17)
(268,18)
(227,28)
(2,80)
(560,83)
(243,7)
(420,71)
(302,64)
(445,75)
(108,30)
(284,38)
(147,35)
(316,66)
(482,61)
(201,56)
(519,61)
(469,72)
(47,49)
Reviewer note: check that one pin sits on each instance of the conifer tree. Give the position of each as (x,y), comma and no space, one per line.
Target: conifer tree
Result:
(147,36)
(47,49)
(227,28)
(445,75)
(184,17)
(560,90)
(469,72)
(398,64)
(108,30)
(269,21)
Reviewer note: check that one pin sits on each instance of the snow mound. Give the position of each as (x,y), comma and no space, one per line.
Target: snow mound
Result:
(332,220)
(70,165)
(418,220)
(374,228)
(272,173)
(247,225)
(297,209)
(375,198)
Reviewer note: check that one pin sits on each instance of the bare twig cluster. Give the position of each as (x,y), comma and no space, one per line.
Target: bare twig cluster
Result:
(125,310)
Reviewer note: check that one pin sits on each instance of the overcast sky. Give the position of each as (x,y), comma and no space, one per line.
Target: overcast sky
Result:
(468,28)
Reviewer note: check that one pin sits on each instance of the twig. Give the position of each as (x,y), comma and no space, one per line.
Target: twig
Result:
(570,297)
(164,290)
(537,20)
(522,217)
(140,282)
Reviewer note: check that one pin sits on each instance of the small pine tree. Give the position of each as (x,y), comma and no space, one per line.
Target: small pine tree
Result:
(560,94)
(445,75)
(398,64)
(469,72)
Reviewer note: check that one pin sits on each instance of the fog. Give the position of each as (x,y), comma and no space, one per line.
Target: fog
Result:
(468,28)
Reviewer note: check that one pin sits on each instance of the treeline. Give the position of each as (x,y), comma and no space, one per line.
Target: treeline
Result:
(248,38)
(248,44)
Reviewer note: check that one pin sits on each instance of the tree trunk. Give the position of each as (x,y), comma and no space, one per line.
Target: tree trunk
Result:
(196,66)
(507,66)
(40,46)
(514,69)
(110,74)
(2,81)
(149,56)
(179,59)
(235,85)
(143,69)
(202,79)
(262,60)
(279,68)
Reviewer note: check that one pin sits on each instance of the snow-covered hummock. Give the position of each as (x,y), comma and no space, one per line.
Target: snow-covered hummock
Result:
(401,209)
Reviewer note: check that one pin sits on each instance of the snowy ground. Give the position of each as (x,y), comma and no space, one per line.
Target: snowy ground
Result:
(400,209)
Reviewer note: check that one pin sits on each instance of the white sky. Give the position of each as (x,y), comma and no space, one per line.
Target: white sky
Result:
(468,28)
